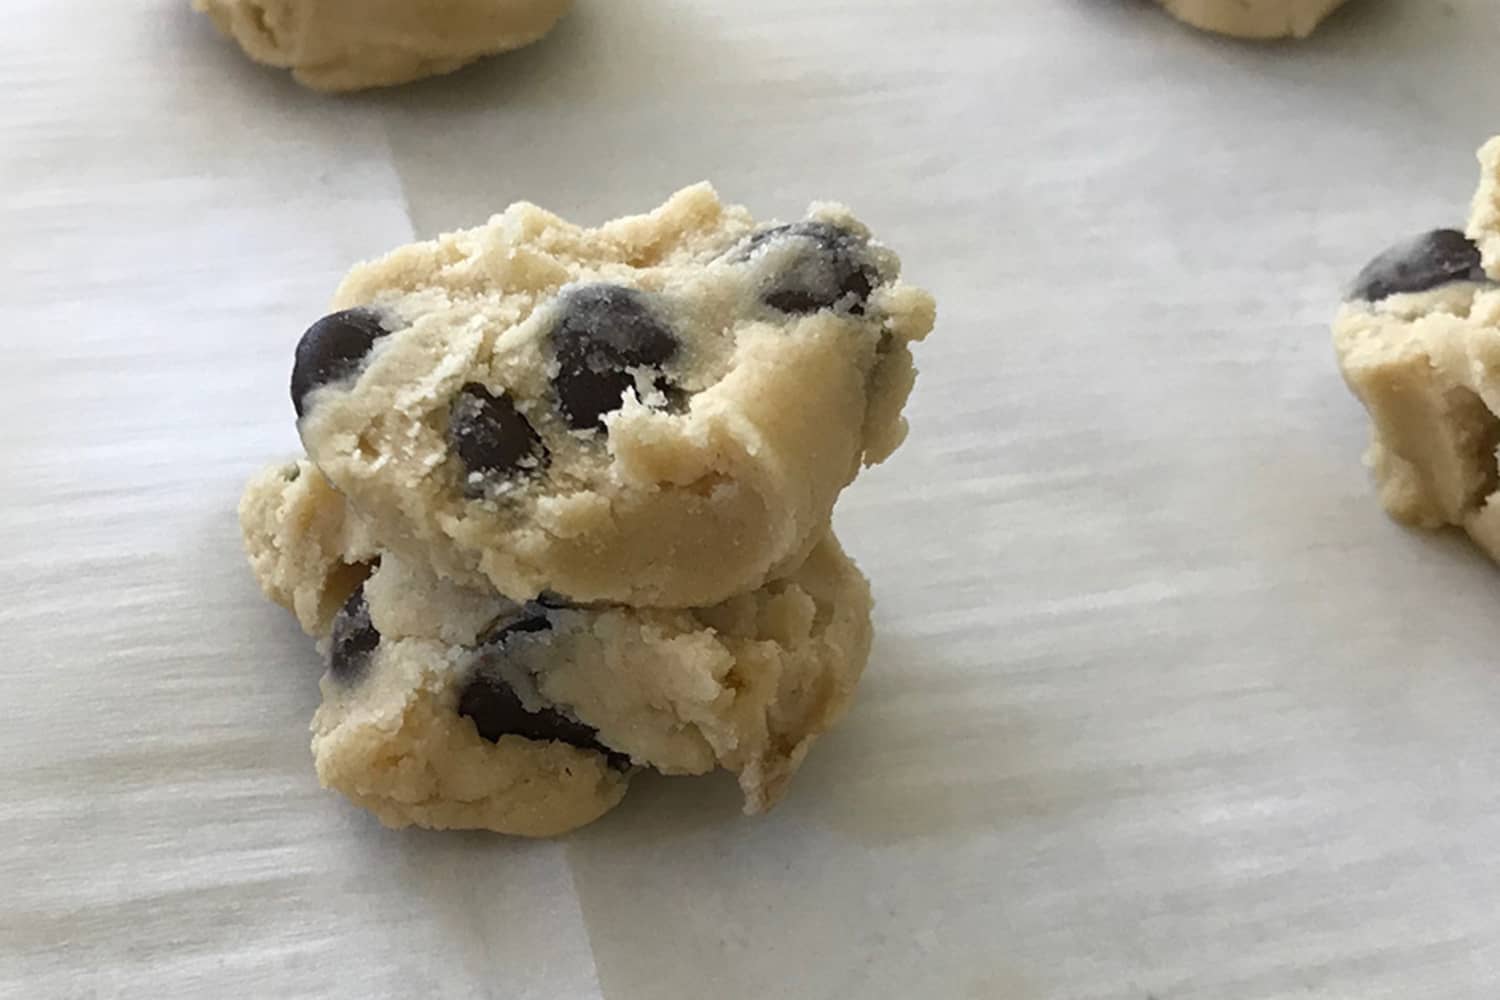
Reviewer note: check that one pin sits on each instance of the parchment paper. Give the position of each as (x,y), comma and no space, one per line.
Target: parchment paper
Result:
(1162,706)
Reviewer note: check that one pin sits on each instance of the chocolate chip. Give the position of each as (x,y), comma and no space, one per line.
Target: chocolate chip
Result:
(606,333)
(1418,264)
(829,271)
(354,638)
(534,619)
(498,711)
(332,349)
(491,437)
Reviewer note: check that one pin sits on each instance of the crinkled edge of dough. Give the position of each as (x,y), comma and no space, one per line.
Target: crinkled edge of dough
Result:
(1484,215)
(306,551)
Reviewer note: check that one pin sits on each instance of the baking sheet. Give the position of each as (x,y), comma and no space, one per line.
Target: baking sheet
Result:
(1161,705)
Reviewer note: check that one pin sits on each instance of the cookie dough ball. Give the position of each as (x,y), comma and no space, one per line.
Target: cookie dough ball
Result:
(411,729)
(339,45)
(450,706)
(659,412)
(1254,18)
(1419,343)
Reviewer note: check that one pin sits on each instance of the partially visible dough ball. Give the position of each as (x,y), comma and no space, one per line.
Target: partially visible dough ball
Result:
(340,45)
(1254,18)
(1418,341)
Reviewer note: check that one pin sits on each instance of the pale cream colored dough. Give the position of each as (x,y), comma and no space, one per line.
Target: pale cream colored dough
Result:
(1484,216)
(1254,18)
(661,505)
(746,685)
(1426,365)
(341,45)
(306,550)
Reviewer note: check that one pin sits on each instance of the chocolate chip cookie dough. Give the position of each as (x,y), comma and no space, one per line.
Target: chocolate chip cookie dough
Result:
(340,45)
(658,412)
(1254,18)
(450,706)
(1418,341)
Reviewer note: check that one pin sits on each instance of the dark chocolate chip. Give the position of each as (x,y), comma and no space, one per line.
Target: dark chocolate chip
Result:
(332,349)
(605,334)
(491,437)
(674,399)
(533,619)
(1418,264)
(354,638)
(497,710)
(832,272)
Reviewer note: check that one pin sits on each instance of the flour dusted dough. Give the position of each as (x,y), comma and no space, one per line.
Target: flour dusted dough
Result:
(1254,18)
(340,45)
(658,412)
(452,707)
(1419,343)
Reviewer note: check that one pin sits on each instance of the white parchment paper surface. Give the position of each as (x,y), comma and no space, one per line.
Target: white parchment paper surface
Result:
(1161,707)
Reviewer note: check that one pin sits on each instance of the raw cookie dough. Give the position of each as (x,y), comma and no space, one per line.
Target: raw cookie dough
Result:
(339,45)
(306,550)
(1484,216)
(659,412)
(449,706)
(1419,343)
(1254,18)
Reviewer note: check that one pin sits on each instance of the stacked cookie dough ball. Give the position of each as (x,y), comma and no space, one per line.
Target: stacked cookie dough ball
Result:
(1418,341)
(565,508)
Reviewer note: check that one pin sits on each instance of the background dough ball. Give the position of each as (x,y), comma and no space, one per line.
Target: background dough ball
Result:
(1418,342)
(1254,18)
(340,45)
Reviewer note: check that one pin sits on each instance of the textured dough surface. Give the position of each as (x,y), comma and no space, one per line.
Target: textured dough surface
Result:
(1426,365)
(746,685)
(395,745)
(1484,216)
(714,471)
(341,45)
(306,551)
(1427,368)
(1254,18)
